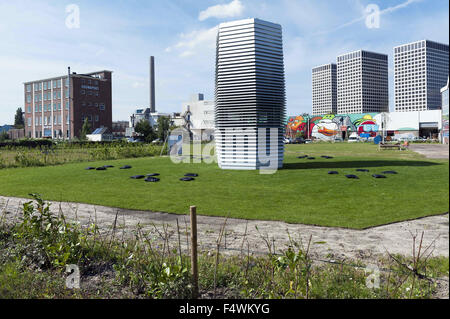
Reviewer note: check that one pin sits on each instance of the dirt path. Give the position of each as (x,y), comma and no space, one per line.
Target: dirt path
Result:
(327,242)
(438,151)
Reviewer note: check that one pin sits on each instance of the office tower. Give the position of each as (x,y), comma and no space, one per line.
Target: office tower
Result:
(324,89)
(250,95)
(421,70)
(362,81)
(47,104)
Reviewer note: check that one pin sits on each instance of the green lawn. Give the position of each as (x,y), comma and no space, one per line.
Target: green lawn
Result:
(302,192)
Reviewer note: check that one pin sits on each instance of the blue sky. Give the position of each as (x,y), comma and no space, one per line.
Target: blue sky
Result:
(121,35)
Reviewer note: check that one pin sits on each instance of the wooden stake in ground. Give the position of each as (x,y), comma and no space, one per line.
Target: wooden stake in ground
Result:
(193,211)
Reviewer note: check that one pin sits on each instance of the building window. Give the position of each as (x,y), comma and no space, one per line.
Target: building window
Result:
(102,106)
(28,88)
(83,92)
(96,118)
(29,121)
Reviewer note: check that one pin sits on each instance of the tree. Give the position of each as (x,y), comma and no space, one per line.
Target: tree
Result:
(4,136)
(19,121)
(85,129)
(163,127)
(144,129)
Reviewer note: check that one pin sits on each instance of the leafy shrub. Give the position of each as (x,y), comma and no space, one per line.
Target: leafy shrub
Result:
(56,241)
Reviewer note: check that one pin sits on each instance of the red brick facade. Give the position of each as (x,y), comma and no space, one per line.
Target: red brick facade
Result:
(46,104)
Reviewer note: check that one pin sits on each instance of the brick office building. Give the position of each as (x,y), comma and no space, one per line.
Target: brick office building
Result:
(47,104)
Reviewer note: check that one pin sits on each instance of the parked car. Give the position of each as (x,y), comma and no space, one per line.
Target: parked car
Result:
(287,140)
(157,141)
(298,140)
(353,139)
(307,141)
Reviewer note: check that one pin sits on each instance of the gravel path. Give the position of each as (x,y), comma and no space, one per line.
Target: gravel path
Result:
(327,242)
(438,151)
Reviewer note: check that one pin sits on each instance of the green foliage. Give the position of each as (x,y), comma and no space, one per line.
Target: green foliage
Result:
(29,143)
(20,156)
(36,248)
(144,128)
(163,127)
(19,121)
(85,129)
(59,242)
(4,136)
(300,134)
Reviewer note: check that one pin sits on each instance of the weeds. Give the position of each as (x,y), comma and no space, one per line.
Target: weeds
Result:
(21,156)
(37,247)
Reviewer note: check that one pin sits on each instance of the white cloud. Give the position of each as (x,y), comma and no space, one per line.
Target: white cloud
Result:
(233,9)
(195,41)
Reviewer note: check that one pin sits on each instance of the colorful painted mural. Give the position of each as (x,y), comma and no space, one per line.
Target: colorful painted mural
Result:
(445,129)
(329,127)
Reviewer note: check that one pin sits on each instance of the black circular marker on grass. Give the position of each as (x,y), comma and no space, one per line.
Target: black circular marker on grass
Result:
(333,172)
(108,166)
(126,167)
(378,176)
(304,156)
(362,170)
(137,176)
(187,179)
(311,158)
(389,172)
(326,157)
(352,176)
(101,168)
(191,175)
(153,174)
(152,179)
(89,168)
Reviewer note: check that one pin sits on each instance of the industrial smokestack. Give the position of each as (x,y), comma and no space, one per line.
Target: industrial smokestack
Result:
(152,84)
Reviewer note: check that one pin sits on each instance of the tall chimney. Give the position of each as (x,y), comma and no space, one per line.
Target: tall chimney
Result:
(152,84)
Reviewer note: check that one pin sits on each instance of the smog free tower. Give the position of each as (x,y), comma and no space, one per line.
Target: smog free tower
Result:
(250,95)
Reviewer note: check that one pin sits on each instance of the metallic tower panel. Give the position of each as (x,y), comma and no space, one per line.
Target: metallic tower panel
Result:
(249,95)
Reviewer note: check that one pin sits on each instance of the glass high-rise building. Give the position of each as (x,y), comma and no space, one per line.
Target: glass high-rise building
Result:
(250,95)
(324,89)
(421,70)
(362,82)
